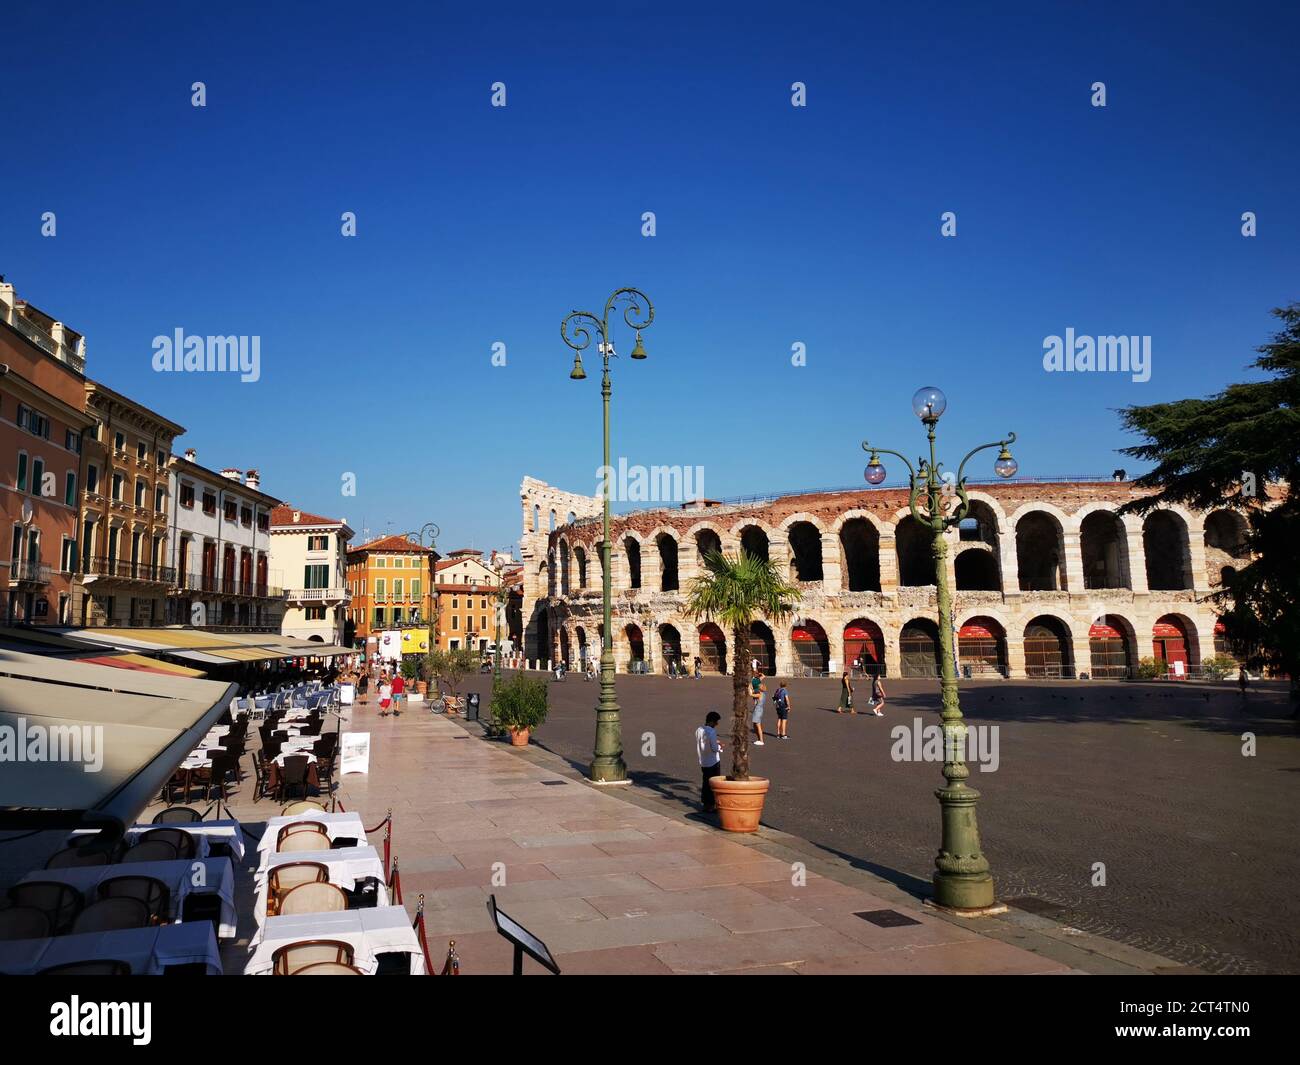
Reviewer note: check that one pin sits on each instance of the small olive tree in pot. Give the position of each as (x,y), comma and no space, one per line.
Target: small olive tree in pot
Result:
(519,705)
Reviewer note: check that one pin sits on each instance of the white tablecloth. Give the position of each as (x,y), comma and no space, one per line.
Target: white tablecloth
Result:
(182,877)
(204,833)
(380,930)
(346,866)
(347,825)
(291,753)
(201,757)
(147,950)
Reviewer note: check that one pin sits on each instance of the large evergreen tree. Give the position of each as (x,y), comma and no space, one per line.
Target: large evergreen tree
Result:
(1207,453)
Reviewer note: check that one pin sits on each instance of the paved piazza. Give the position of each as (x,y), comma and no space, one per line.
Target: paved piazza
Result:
(1148,778)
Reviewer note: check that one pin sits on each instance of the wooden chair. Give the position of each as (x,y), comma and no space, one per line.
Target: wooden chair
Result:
(328,968)
(153,893)
(303,841)
(88,968)
(222,766)
(299,826)
(26,922)
(284,878)
(288,960)
(303,806)
(176,815)
(153,850)
(70,858)
(314,898)
(111,915)
(178,782)
(59,902)
(186,845)
(295,774)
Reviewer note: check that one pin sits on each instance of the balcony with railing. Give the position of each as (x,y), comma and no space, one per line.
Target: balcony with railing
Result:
(127,570)
(317,595)
(28,571)
(211,584)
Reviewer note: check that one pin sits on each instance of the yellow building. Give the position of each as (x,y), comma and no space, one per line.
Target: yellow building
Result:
(391,586)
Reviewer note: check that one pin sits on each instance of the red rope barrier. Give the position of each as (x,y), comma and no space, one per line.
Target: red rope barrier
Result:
(419,934)
(395,886)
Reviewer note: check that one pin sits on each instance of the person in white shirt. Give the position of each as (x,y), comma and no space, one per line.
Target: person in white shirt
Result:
(709,751)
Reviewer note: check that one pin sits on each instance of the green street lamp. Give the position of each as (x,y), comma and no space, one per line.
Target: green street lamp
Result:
(431,530)
(502,597)
(607,765)
(962,881)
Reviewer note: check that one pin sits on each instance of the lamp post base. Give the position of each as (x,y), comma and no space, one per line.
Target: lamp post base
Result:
(961,893)
(977,911)
(609,771)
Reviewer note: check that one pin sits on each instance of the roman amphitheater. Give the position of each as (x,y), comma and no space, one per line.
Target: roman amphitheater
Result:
(1048,581)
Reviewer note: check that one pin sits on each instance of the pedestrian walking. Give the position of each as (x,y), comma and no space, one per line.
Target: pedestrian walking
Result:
(697,667)
(846,695)
(782,701)
(385,698)
(877,695)
(399,694)
(709,751)
(757,692)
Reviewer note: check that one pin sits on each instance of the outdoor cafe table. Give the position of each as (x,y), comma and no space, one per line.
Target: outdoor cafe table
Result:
(378,930)
(345,824)
(201,758)
(346,865)
(180,876)
(205,833)
(147,950)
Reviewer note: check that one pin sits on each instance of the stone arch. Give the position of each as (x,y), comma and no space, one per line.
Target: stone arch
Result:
(580,634)
(918,646)
(805,539)
(1040,551)
(634,640)
(1049,647)
(914,544)
(705,536)
(762,646)
(564,567)
(1103,547)
(713,648)
(982,646)
(1175,639)
(580,561)
(864,647)
(754,539)
(1112,647)
(666,543)
(860,552)
(670,640)
(1166,545)
(976,570)
(811,646)
(632,555)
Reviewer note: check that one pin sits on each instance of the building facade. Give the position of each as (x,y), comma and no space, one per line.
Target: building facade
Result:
(311,552)
(219,549)
(42,423)
(1048,581)
(467,606)
(391,584)
(125,576)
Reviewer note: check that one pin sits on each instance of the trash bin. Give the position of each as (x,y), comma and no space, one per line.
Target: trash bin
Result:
(471,707)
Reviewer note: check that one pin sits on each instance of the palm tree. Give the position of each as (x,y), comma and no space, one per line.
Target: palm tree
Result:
(736,590)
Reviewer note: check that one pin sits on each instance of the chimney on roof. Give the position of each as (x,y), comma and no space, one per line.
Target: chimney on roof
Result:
(232,474)
(6,302)
(252,479)
(191,455)
(297,516)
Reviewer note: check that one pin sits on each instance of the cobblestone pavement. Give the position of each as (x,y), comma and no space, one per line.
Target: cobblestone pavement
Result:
(1197,840)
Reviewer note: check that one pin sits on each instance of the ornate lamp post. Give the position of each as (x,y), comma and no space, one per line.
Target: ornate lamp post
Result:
(502,597)
(433,532)
(962,880)
(607,765)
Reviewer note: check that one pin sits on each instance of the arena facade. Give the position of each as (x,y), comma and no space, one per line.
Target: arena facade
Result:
(1048,580)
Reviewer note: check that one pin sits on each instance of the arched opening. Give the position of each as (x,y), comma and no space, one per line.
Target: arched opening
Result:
(982,648)
(1110,648)
(1040,553)
(635,649)
(564,647)
(713,649)
(671,642)
(1225,533)
(544,579)
(918,646)
(1164,543)
(1049,651)
(544,651)
(1174,641)
(762,648)
(753,541)
(980,526)
(1103,545)
(580,557)
(632,549)
(537,518)
(552,528)
(667,562)
(812,650)
(864,648)
(564,568)
(860,544)
(707,543)
(805,552)
(581,635)
(915,544)
(976,570)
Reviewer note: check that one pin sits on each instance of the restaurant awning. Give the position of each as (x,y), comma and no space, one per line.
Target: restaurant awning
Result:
(86,745)
(130,660)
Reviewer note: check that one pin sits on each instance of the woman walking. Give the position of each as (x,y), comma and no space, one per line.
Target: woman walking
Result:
(846,695)
(877,695)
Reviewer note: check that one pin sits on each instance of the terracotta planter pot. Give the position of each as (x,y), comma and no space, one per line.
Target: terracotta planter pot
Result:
(740,802)
(422,686)
(519,737)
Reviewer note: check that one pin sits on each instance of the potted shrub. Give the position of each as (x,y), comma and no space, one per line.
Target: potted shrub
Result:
(736,590)
(1149,669)
(410,669)
(519,705)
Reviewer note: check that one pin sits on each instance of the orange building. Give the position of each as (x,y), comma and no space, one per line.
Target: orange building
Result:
(467,590)
(42,421)
(390,580)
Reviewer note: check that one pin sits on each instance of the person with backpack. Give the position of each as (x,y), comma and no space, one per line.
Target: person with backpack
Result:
(782,701)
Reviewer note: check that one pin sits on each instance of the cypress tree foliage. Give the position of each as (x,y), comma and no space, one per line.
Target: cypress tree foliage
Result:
(1227,450)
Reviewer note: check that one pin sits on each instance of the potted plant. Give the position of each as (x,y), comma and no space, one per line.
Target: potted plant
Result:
(519,705)
(410,668)
(451,666)
(736,590)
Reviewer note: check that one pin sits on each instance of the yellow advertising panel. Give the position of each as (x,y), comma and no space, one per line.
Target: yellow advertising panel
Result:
(415,641)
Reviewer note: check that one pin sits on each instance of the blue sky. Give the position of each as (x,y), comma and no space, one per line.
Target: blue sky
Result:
(776,225)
